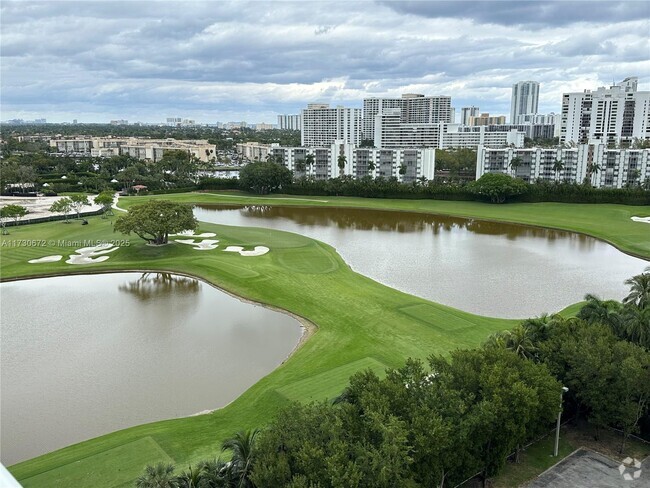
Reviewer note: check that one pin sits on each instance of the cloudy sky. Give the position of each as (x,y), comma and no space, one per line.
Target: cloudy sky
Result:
(226,61)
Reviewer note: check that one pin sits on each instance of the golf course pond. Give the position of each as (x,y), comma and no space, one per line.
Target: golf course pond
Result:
(85,355)
(487,268)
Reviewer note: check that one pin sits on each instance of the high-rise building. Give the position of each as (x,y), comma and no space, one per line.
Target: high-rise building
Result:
(615,115)
(466,113)
(289,122)
(322,125)
(414,109)
(485,119)
(525,98)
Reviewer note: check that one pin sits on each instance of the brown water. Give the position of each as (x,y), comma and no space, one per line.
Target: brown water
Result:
(87,355)
(488,268)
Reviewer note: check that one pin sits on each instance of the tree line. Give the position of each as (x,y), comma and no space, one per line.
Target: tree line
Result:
(439,422)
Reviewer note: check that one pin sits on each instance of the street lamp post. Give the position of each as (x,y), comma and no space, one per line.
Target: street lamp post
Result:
(557,428)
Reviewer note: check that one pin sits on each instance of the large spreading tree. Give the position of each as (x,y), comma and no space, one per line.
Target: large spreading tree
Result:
(264,177)
(154,220)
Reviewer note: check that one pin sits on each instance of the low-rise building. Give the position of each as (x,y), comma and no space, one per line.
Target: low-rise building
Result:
(407,165)
(603,167)
(254,151)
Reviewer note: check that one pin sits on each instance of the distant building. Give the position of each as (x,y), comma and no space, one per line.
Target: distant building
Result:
(140,148)
(407,165)
(289,122)
(261,127)
(119,122)
(615,115)
(617,167)
(466,113)
(524,100)
(322,125)
(485,119)
(414,109)
(254,151)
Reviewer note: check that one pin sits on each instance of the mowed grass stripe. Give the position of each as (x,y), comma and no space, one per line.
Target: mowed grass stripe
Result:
(443,320)
(329,384)
(113,467)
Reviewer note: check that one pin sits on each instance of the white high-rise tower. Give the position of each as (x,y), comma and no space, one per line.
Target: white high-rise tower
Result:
(525,98)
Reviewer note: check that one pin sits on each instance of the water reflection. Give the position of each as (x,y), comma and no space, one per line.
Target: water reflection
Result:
(156,286)
(489,268)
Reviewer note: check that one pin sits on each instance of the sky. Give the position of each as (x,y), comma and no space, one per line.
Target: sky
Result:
(250,61)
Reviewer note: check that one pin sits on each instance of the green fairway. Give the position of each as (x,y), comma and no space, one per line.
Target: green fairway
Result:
(608,222)
(361,324)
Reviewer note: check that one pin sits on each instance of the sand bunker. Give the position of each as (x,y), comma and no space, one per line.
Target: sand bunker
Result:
(46,259)
(190,233)
(645,220)
(204,245)
(91,255)
(258,251)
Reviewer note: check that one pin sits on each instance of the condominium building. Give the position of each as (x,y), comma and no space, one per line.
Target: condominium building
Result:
(140,148)
(289,122)
(615,115)
(531,130)
(485,119)
(322,125)
(252,151)
(414,109)
(602,167)
(391,133)
(524,100)
(407,165)
(466,113)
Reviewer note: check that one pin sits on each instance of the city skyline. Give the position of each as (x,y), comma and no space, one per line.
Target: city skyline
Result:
(252,61)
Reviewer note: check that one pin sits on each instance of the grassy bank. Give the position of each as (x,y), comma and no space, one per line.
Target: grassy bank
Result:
(361,324)
(608,222)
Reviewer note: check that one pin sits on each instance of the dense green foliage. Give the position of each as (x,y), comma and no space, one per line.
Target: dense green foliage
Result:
(497,187)
(264,177)
(154,220)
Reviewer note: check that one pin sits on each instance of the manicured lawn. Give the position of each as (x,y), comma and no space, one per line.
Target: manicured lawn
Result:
(606,221)
(361,324)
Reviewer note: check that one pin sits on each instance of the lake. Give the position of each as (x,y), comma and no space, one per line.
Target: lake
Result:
(488,268)
(86,355)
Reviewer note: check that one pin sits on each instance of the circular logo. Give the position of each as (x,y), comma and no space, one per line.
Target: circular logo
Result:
(630,469)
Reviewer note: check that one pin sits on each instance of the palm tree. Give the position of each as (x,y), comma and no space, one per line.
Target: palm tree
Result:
(637,325)
(557,167)
(371,166)
(520,340)
(341,161)
(309,161)
(216,474)
(515,163)
(190,479)
(159,476)
(634,175)
(607,312)
(242,446)
(639,290)
(593,169)
(300,166)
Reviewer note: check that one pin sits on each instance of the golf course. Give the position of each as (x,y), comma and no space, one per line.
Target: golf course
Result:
(351,322)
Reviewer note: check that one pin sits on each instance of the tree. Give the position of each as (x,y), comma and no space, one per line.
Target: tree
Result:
(264,177)
(242,446)
(309,161)
(498,187)
(63,206)
(105,199)
(402,169)
(78,201)
(154,220)
(639,290)
(515,163)
(592,170)
(300,166)
(342,160)
(557,167)
(15,212)
(159,476)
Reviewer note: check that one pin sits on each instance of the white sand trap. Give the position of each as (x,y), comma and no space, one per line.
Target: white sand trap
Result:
(645,220)
(258,251)
(204,245)
(91,255)
(190,233)
(46,259)
(85,259)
